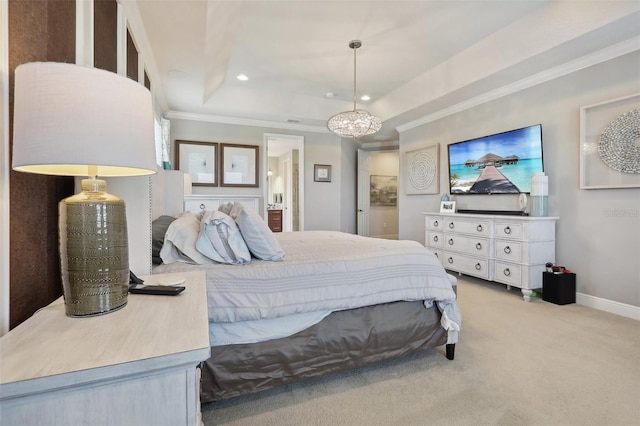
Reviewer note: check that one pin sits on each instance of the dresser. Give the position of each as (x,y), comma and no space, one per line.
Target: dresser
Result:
(511,250)
(275,220)
(134,366)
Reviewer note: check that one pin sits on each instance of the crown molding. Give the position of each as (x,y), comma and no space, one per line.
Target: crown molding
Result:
(244,122)
(586,61)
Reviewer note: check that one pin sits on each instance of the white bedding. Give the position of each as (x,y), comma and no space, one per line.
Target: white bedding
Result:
(327,271)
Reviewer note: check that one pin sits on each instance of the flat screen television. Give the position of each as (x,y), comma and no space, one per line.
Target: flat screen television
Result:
(496,164)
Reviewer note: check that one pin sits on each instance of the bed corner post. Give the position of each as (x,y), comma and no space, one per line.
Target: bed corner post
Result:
(450,349)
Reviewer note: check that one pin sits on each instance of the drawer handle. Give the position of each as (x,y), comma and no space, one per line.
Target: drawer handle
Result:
(435,223)
(435,238)
(478,266)
(479,246)
(507,230)
(507,250)
(506,272)
(479,228)
(202,206)
(450,260)
(450,241)
(451,225)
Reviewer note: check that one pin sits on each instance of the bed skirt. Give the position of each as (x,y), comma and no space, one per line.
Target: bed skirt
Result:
(342,341)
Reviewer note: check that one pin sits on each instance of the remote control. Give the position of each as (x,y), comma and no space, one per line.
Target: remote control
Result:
(162,290)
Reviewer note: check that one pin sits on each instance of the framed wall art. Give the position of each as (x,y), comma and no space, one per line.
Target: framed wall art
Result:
(383,191)
(321,173)
(199,161)
(423,171)
(609,151)
(238,165)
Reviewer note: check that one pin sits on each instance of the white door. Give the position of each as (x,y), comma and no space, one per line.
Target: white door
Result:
(363,193)
(287,217)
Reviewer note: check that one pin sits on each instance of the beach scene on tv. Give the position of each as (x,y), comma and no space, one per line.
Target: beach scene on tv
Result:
(496,164)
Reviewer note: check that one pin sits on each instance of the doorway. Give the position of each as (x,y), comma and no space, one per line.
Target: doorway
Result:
(377,193)
(284,162)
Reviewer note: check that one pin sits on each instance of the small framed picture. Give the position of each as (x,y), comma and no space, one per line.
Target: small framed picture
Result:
(447,207)
(321,173)
(198,159)
(239,165)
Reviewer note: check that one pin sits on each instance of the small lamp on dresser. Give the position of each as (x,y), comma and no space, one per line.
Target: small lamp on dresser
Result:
(71,120)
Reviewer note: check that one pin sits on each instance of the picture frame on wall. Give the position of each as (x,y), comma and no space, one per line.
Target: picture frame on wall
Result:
(321,173)
(199,160)
(238,165)
(447,206)
(608,136)
(383,191)
(423,171)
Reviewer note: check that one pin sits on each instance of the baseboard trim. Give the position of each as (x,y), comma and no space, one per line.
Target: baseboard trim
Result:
(607,305)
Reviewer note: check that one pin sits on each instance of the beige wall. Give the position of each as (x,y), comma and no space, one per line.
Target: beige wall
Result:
(324,202)
(601,246)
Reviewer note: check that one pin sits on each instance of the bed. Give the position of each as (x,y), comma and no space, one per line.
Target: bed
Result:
(305,304)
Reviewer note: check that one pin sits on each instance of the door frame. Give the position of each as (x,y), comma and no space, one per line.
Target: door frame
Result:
(298,142)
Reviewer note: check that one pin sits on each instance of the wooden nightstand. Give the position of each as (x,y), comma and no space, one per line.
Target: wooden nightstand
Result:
(138,365)
(275,220)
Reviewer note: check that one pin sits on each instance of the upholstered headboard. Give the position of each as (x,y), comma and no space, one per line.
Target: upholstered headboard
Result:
(165,193)
(147,198)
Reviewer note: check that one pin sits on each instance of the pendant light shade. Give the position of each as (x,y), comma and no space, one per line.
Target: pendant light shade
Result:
(358,122)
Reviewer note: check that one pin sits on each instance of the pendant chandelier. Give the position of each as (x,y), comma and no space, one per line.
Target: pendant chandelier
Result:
(356,123)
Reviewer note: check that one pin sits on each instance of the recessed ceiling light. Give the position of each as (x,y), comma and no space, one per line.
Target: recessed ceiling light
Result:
(242,77)
(365,97)
(329,95)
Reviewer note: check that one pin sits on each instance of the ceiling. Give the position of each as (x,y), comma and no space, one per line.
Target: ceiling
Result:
(419,60)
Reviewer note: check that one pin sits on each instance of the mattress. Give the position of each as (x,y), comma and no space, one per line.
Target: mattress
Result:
(327,271)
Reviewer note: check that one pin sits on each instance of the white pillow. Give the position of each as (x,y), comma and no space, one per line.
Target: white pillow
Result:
(226,207)
(221,240)
(180,241)
(259,238)
(231,209)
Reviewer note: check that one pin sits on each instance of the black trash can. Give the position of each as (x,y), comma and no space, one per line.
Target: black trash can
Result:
(559,288)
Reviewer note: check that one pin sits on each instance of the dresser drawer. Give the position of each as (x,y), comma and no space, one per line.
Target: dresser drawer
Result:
(529,253)
(508,250)
(466,264)
(434,223)
(435,239)
(509,230)
(508,273)
(521,276)
(479,227)
(468,245)
(438,253)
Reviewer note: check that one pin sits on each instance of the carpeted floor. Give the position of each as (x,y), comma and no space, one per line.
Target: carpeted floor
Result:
(516,363)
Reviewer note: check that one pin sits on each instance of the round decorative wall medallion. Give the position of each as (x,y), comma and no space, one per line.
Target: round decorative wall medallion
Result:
(422,171)
(618,145)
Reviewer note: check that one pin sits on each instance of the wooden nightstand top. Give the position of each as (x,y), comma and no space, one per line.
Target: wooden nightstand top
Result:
(149,332)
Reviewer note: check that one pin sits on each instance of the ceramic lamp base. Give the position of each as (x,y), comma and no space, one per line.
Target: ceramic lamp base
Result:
(94,255)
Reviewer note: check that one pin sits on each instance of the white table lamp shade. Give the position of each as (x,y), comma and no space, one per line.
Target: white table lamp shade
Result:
(79,121)
(68,117)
